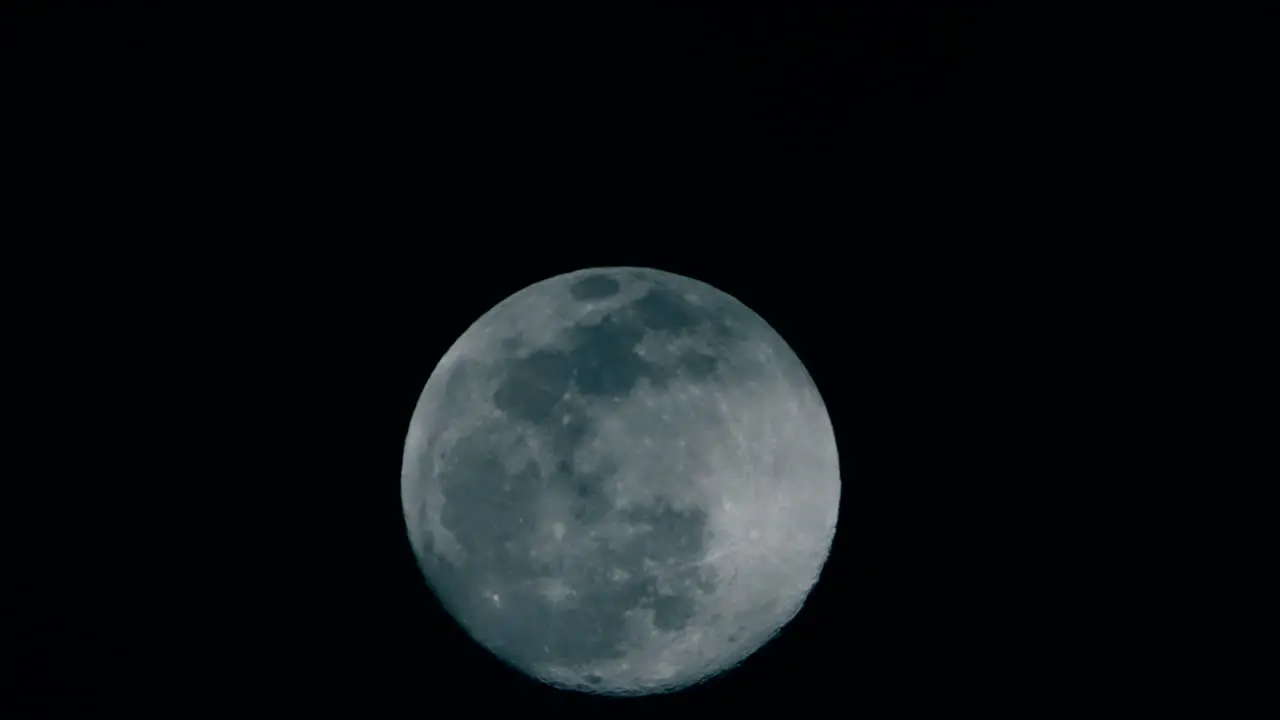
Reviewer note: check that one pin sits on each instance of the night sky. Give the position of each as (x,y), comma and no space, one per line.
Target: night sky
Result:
(303,205)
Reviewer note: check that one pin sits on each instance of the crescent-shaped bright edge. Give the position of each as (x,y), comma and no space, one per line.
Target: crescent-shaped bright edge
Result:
(621,481)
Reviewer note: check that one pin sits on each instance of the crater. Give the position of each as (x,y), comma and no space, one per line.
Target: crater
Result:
(664,309)
(594,287)
(586,492)
(532,387)
(673,612)
(698,366)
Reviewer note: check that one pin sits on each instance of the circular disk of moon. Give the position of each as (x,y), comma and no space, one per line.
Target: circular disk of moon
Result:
(621,481)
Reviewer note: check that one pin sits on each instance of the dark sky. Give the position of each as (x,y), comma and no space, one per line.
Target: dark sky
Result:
(328,194)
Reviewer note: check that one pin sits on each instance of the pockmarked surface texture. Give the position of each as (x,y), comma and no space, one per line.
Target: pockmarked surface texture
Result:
(621,481)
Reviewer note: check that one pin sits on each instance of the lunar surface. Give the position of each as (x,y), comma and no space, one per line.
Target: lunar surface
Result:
(621,481)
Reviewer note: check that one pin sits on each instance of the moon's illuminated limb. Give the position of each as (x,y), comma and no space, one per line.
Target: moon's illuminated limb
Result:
(632,469)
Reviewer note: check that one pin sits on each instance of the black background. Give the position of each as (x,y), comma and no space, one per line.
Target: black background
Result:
(314,201)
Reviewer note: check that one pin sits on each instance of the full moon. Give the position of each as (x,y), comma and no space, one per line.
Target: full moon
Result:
(621,481)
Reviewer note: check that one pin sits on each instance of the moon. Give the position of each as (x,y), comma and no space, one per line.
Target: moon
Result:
(621,481)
